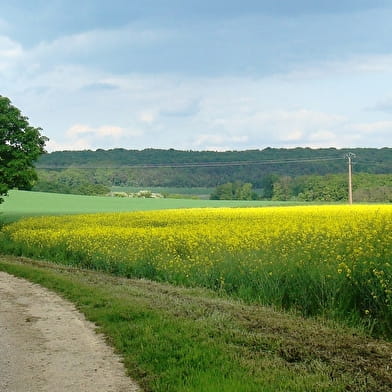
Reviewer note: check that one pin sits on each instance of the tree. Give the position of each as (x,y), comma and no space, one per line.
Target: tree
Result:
(234,191)
(20,146)
(244,192)
(282,188)
(267,184)
(223,192)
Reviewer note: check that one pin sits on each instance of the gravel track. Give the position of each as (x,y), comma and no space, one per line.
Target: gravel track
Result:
(47,345)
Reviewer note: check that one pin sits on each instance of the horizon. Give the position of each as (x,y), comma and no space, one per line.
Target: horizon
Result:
(217,151)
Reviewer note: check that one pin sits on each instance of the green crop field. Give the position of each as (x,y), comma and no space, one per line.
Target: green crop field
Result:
(177,192)
(195,191)
(22,204)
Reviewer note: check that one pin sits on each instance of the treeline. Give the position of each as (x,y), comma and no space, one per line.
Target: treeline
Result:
(370,160)
(83,188)
(334,187)
(328,188)
(280,174)
(120,167)
(234,191)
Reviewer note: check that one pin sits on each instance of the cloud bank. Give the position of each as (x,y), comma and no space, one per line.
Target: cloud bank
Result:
(279,77)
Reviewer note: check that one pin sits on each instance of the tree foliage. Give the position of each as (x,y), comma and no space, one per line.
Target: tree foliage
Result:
(122,167)
(283,176)
(83,188)
(333,187)
(234,191)
(20,146)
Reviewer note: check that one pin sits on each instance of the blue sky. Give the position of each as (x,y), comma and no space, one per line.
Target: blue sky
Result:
(200,75)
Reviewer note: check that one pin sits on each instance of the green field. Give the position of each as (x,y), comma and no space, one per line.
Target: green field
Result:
(22,204)
(195,191)
(176,192)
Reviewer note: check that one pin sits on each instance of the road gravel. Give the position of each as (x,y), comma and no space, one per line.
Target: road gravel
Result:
(47,345)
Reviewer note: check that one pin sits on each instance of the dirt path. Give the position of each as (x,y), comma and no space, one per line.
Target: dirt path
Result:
(46,345)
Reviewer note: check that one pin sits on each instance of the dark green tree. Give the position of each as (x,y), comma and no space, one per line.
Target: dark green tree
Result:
(223,192)
(20,146)
(267,184)
(234,191)
(282,188)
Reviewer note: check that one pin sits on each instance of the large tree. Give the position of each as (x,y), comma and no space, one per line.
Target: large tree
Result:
(20,146)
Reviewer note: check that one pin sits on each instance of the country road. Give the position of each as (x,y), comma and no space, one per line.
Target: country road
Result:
(46,345)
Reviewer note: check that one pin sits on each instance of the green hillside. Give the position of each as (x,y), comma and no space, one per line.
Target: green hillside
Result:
(173,168)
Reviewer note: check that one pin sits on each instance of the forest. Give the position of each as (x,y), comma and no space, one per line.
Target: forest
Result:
(281,174)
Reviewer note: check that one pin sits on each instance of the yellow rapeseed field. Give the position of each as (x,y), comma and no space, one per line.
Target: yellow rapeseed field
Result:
(321,250)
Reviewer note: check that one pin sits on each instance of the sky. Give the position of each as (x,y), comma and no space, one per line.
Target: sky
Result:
(200,75)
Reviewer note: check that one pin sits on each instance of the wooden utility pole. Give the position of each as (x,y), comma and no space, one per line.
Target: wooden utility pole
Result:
(350,156)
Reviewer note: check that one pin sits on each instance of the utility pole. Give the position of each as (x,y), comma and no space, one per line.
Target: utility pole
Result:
(349,157)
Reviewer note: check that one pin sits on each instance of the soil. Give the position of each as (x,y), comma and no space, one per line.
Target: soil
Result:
(47,345)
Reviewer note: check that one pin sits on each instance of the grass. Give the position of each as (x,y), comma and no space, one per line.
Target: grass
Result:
(196,191)
(21,204)
(178,339)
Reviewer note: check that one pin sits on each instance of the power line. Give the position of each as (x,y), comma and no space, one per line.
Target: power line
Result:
(198,164)
(372,163)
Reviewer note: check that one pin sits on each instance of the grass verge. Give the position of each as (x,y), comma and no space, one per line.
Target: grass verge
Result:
(178,339)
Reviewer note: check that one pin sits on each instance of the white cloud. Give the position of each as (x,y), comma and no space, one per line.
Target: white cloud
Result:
(214,141)
(147,117)
(102,131)
(282,126)
(9,48)
(10,52)
(97,42)
(371,63)
(111,131)
(141,110)
(373,133)
(322,136)
(78,129)
(83,136)
(372,127)
(76,144)
(231,114)
(299,119)
(294,135)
